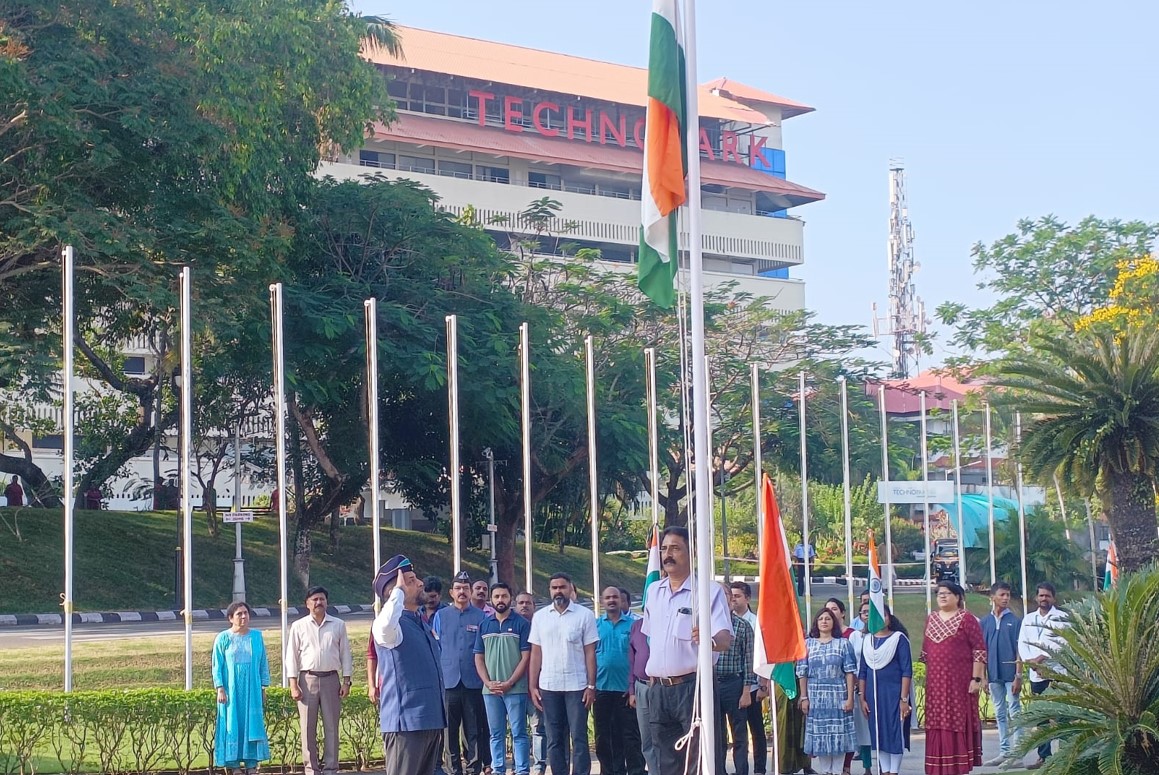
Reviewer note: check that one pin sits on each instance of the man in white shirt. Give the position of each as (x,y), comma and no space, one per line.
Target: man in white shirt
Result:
(1038,640)
(319,665)
(563,675)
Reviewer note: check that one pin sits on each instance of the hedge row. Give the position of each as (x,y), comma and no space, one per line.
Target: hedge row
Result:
(152,730)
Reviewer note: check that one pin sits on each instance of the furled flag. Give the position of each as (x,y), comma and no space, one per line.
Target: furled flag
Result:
(665,163)
(1111,577)
(653,561)
(777,612)
(876,593)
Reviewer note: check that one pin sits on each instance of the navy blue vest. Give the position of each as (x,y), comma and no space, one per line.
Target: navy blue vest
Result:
(411,680)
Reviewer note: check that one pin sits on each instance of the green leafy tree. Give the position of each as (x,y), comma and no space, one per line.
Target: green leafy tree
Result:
(1050,555)
(1094,403)
(1103,704)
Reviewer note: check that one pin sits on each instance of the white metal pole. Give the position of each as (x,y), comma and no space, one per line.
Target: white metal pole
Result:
(926,504)
(186,461)
(1061,506)
(701,459)
(370,307)
(847,496)
(958,490)
(68,496)
(1021,514)
(525,411)
(885,477)
(653,436)
(990,498)
(238,560)
(1094,559)
(758,463)
(453,408)
(279,353)
(808,561)
(593,473)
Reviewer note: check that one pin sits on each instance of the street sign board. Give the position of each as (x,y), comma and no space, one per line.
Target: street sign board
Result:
(231,517)
(915,492)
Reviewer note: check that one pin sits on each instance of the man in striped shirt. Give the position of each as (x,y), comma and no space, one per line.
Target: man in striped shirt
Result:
(502,654)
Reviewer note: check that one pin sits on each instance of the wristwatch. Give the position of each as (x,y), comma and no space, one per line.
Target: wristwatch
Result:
(977,680)
(592,688)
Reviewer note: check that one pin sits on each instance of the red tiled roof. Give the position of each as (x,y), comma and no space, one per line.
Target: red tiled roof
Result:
(903,396)
(727,87)
(486,60)
(464,136)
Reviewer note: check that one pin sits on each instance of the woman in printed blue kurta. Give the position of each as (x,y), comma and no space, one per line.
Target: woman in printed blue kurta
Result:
(825,676)
(241,674)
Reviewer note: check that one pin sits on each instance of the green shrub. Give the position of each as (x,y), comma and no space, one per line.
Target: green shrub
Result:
(150,730)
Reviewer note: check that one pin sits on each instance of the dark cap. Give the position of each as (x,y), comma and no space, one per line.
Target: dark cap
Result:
(463,576)
(389,572)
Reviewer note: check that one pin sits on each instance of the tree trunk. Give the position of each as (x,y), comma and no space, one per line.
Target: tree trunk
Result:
(303,549)
(335,518)
(507,521)
(1132,518)
(209,503)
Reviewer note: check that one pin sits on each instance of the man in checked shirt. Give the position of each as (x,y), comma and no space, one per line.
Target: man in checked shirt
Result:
(735,681)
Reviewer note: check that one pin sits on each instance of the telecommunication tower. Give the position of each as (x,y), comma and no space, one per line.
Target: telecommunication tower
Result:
(906,321)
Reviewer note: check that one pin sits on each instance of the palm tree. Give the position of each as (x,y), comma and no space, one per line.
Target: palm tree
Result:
(1094,399)
(378,32)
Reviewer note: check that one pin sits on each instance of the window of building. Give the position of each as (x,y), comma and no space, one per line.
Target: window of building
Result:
(493,174)
(544,180)
(376,159)
(455,169)
(135,364)
(416,164)
(49,441)
(396,89)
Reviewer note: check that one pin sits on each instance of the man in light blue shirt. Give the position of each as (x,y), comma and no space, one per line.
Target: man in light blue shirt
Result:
(617,733)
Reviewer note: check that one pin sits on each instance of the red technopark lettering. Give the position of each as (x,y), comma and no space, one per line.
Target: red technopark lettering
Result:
(590,126)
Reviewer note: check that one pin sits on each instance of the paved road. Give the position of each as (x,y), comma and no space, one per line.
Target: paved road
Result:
(53,635)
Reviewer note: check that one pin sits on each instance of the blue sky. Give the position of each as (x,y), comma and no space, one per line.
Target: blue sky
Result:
(999,110)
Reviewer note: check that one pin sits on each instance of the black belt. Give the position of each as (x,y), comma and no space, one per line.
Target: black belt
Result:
(320,673)
(675,680)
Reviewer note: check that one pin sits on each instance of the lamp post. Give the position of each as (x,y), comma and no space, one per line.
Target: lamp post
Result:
(489,456)
(238,561)
(724,523)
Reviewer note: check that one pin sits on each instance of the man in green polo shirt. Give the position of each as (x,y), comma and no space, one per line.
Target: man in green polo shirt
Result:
(502,654)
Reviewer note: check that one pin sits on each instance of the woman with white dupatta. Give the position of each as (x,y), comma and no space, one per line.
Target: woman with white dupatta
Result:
(885,679)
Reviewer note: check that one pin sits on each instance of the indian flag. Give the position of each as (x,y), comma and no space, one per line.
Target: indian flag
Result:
(665,164)
(876,593)
(653,561)
(1111,576)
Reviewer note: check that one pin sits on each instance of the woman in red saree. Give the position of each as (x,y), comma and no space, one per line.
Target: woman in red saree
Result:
(955,657)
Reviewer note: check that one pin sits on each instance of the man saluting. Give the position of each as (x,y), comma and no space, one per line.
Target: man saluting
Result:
(411,713)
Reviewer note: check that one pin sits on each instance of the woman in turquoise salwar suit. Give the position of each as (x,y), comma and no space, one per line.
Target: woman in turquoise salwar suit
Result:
(241,674)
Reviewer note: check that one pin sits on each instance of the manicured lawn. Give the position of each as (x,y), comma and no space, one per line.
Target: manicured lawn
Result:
(124,561)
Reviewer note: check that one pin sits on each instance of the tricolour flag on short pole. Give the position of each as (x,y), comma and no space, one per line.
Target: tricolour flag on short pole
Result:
(665,164)
(876,593)
(653,561)
(1111,577)
(777,612)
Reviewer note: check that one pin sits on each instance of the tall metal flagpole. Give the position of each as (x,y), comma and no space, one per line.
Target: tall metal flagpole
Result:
(186,459)
(926,504)
(371,309)
(990,498)
(276,316)
(808,561)
(885,506)
(69,497)
(453,411)
(1021,515)
(593,472)
(848,497)
(704,553)
(525,417)
(1094,559)
(758,464)
(653,437)
(958,490)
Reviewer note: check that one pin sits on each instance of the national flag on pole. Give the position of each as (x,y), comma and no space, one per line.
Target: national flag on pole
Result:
(665,163)
(876,593)
(777,612)
(1111,577)
(653,561)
